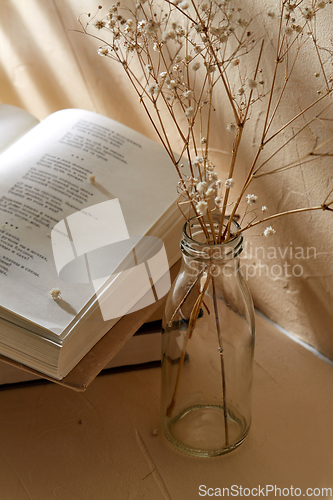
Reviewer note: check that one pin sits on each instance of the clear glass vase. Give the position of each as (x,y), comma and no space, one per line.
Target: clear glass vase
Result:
(207,347)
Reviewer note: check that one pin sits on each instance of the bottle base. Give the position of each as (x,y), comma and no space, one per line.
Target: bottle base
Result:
(200,430)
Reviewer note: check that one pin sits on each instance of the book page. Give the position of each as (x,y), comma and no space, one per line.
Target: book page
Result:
(14,122)
(44,178)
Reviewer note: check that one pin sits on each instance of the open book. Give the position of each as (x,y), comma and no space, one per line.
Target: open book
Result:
(84,202)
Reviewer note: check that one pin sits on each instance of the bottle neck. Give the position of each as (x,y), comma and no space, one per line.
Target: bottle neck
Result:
(194,244)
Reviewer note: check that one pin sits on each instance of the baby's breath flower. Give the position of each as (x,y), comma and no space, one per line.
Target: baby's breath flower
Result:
(235,62)
(231,127)
(202,187)
(197,160)
(288,30)
(263,209)
(55,293)
(271,14)
(321,5)
(180,31)
(241,90)
(229,183)
(188,94)
(151,27)
(178,58)
(103,51)
(218,201)
(252,84)
(202,207)
(169,35)
(203,140)
(172,84)
(195,66)
(153,89)
(189,112)
(251,199)
(269,231)
(163,74)
(210,192)
(99,24)
(308,13)
(149,67)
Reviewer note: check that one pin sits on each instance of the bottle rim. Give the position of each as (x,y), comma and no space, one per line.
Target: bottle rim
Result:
(224,250)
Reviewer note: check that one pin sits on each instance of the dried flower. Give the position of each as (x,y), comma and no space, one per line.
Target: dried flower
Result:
(202,207)
(92,178)
(231,127)
(251,199)
(103,51)
(99,25)
(201,187)
(269,231)
(252,84)
(195,66)
(55,293)
(263,209)
(189,112)
(229,183)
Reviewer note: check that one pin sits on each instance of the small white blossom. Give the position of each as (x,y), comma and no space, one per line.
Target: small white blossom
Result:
(172,84)
(102,51)
(251,199)
(99,24)
(288,30)
(229,183)
(202,207)
(149,67)
(203,140)
(308,13)
(252,84)
(269,231)
(263,209)
(231,127)
(197,160)
(202,187)
(153,89)
(189,112)
(196,66)
(218,201)
(188,94)
(317,75)
(55,293)
(210,192)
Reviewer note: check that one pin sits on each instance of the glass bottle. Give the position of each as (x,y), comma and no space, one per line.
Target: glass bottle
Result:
(207,346)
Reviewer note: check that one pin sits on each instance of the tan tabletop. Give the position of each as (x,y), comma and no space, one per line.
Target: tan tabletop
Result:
(61,445)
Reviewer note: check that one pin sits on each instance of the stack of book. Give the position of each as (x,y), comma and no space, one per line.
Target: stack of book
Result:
(83,200)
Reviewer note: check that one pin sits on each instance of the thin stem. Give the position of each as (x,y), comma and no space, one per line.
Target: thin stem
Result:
(221,351)
(191,325)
